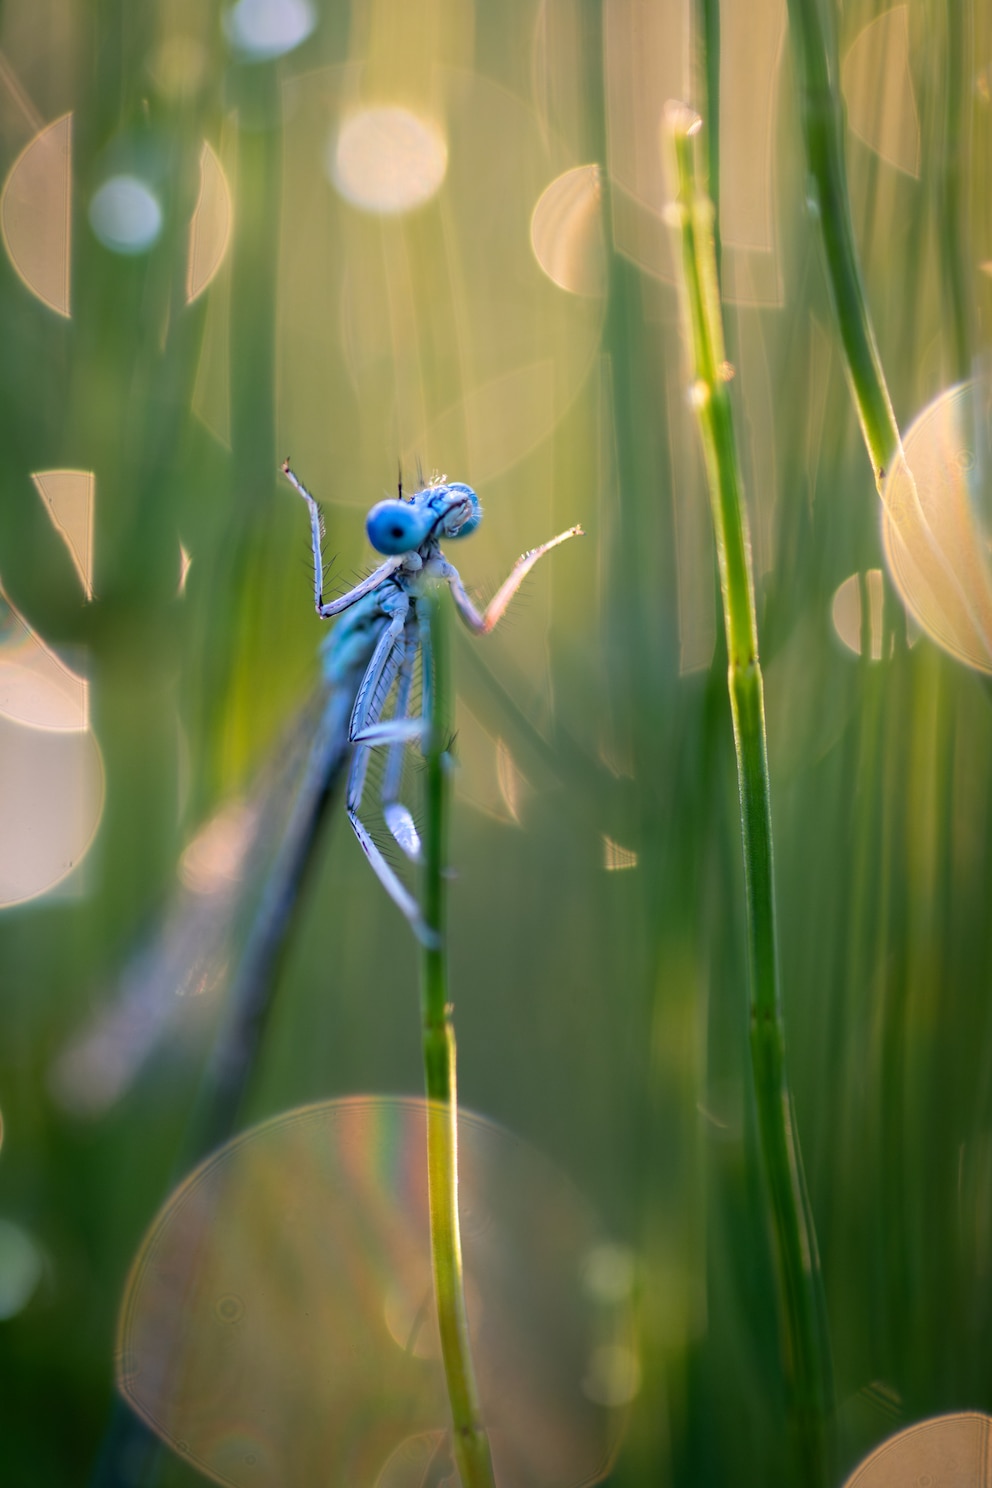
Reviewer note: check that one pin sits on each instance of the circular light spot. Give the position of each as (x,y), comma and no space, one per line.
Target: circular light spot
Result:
(566,231)
(319,1220)
(847,616)
(387,160)
(36,212)
(936,522)
(21,1266)
(125,215)
(946,1449)
(37,688)
(51,801)
(210,225)
(262,29)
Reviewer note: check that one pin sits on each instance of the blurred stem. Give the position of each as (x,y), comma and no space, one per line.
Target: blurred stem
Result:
(823,127)
(471,1444)
(952,171)
(800,1285)
(708,21)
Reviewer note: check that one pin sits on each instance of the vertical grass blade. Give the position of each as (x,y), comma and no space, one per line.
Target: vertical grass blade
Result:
(471,1444)
(823,128)
(807,1351)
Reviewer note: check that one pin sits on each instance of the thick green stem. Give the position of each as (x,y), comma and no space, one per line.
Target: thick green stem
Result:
(807,1352)
(471,1444)
(823,127)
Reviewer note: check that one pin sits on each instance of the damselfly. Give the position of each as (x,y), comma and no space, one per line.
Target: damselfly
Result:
(368,665)
(387,623)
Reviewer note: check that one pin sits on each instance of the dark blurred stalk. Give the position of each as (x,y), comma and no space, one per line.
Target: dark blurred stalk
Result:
(807,1352)
(952,166)
(823,128)
(471,1444)
(243,566)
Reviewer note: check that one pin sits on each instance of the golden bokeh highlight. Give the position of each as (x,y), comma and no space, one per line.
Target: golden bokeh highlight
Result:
(37,688)
(935,523)
(211,224)
(953,1451)
(36,214)
(877,83)
(846,611)
(69,497)
(52,785)
(387,160)
(566,231)
(51,801)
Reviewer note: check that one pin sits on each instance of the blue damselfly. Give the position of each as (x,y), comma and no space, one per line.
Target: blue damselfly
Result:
(369,666)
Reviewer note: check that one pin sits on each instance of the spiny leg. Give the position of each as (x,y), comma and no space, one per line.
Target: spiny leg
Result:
(483,623)
(394,887)
(398,818)
(334,606)
(316,535)
(384,872)
(368,731)
(365,728)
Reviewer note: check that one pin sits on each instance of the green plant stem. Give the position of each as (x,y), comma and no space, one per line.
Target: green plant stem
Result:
(808,1355)
(708,22)
(823,128)
(471,1444)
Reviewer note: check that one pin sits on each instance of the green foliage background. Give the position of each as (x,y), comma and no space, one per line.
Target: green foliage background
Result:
(601,1014)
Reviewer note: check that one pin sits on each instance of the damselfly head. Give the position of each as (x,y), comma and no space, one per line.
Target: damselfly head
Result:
(438,511)
(399,526)
(463,510)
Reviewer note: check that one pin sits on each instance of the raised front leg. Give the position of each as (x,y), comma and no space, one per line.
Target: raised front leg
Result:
(334,606)
(483,623)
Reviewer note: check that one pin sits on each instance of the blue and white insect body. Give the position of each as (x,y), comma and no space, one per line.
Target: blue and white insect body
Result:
(386,632)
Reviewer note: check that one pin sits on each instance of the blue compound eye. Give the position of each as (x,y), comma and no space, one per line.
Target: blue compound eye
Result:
(397,527)
(466,515)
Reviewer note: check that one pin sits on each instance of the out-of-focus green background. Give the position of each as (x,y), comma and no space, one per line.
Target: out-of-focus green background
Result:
(465,291)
